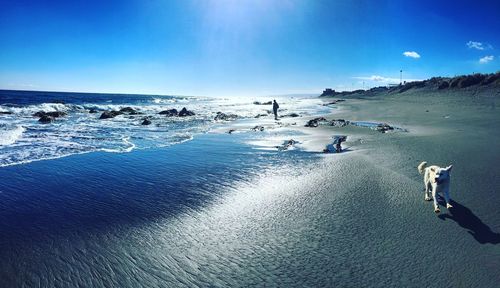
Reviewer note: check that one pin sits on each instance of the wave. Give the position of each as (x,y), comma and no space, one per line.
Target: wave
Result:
(129,147)
(9,136)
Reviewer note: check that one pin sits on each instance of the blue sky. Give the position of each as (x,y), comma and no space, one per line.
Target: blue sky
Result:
(241,47)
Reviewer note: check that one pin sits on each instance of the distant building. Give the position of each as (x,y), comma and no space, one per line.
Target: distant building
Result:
(328,92)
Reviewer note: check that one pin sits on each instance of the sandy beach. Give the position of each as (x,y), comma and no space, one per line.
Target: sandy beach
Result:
(231,210)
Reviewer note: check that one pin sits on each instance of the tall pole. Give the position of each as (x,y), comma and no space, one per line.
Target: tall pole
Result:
(400,77)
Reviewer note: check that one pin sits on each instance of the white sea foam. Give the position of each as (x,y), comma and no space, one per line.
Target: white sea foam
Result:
(9,136)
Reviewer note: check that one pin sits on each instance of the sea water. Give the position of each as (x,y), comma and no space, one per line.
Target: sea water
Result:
(23,139)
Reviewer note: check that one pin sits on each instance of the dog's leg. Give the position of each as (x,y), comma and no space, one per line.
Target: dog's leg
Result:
(427,196)
(447,198)
(434,197)
(427,188)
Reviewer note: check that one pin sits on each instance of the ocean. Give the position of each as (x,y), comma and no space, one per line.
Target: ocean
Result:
(24,139)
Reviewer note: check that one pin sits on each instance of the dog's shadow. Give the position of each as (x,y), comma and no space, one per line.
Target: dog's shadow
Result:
(468,220)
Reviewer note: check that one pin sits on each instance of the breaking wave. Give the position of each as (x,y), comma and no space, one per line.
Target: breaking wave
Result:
(10,135)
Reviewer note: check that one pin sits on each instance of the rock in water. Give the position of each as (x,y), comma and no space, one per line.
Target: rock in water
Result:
(291,115)
(110,114)
(339,123)
(263,103)
(129,110)
(258,128)
(261,115)
(315,122)
(225,117)
(384,127)
(146,122)
(53,114)
(286,145)
(170,112)
(184,112)
(45,119)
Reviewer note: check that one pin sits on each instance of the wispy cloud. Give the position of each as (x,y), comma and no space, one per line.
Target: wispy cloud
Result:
(383,80)
(412,54)
(478,45)
(486,59)
(377,78)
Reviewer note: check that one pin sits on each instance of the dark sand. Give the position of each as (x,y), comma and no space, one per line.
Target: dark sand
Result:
(458,248)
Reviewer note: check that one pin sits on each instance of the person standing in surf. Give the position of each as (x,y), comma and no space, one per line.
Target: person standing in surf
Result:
(275,109)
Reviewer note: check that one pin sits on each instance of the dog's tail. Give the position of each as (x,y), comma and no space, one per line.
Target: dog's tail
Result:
(421,167)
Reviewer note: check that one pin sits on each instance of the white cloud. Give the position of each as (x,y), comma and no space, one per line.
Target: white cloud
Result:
(377,78)
(475,45)
(411,54)
(384,80)
(478,45)
(486,59)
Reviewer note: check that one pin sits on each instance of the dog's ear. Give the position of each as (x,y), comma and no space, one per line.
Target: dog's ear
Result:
(449,168)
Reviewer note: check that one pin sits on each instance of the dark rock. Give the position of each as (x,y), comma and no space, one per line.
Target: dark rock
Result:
(263,103)
(225,117)
(315,122)
(336,146)
(291,115)
(383,127)
(258,128)
(170,112)
(146,122)
(45,119)
(5,112)
(261,115)
(231,131)
(54,114)
(334,102)
(286,145)
(110,114)
(39,114)
(93,110)
(339,123)
(129,110)
(184,112)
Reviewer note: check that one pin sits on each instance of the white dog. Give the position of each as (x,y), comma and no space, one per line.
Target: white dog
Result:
(437,179)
